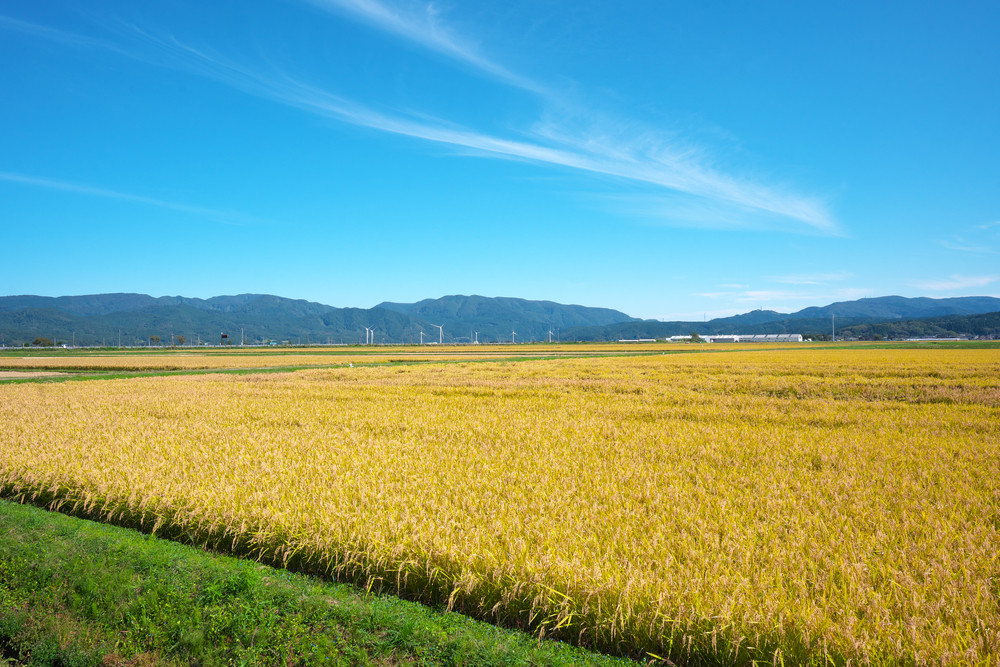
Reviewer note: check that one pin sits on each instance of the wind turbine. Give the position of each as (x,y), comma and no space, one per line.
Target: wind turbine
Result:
(512,337)
(440,333)
(550,335)
(373,335)
(477,337)
(421,337)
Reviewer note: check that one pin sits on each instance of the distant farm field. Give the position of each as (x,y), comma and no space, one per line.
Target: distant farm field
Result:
(194,358)
(791,506)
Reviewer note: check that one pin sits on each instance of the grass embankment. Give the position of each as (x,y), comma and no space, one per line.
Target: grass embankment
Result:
(73,592)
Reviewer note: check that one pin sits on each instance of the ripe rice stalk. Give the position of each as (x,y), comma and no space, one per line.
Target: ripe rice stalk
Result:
(831,504)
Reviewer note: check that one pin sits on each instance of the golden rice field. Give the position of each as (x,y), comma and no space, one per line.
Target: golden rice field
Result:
(791,507)
(167,359)
(194,361)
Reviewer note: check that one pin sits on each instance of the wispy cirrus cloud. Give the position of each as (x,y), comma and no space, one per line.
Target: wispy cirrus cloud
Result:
(756,295)
(957,282)
(683,186)
(644,161)
(423,25)
(763,296)
(641,156)
(962,245)
(227,217)
(976,239)
(707,199)
(813,278)
(700,315)
(53,34)
(785,300)
(782,301)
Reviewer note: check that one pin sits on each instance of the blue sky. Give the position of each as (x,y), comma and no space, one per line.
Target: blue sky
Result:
(674,160)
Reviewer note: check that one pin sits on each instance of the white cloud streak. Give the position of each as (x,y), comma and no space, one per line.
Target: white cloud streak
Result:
(53,34)
(786,301)
(962,245)
(421,24)
(92,191)
(813,279)
(693,193)
(642,159)
(662,167)
(761,296)
(957,282)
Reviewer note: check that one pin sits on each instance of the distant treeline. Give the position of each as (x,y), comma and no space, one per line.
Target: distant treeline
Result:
(985,325)
(815,328)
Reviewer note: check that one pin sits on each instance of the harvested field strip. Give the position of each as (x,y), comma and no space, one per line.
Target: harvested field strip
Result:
(241,358)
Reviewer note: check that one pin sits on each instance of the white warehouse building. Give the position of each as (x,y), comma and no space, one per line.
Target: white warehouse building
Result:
(754,338)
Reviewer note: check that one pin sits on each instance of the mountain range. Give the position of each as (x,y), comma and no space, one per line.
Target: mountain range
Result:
(814,321)
(138,319)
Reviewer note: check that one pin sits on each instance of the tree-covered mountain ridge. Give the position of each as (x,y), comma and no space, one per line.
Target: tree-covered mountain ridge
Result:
(136,319)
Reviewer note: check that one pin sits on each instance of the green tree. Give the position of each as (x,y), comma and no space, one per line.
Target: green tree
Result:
(42,342)
(154,340)
(180,340)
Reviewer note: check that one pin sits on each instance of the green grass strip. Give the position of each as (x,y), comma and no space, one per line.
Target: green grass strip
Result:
(78,593)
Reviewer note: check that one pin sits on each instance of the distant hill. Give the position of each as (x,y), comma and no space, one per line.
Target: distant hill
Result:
(812,321)
(887,308)
(104,304)
(91,304)
(98,319)
(984,324)
(496,317)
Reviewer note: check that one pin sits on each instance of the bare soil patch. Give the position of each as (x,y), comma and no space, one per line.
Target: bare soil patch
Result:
(16,375)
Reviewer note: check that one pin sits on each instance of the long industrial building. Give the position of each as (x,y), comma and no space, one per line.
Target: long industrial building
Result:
(744,338)
(755,338)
